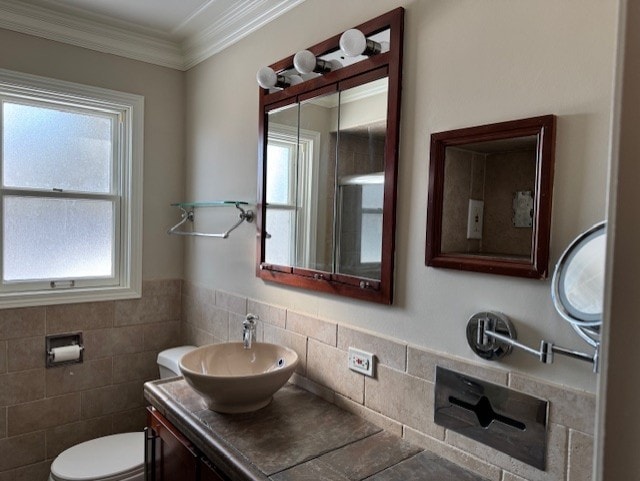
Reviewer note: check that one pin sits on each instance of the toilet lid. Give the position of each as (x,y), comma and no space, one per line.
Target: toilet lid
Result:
(106,457)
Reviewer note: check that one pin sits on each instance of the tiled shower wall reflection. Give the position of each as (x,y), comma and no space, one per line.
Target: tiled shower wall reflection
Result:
(44,411)
(400,398)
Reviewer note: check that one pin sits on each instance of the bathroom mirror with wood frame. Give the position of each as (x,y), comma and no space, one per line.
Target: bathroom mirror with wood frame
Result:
(489,203)
(327,169)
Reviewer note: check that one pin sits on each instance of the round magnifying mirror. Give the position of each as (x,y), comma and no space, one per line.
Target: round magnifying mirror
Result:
(577,287)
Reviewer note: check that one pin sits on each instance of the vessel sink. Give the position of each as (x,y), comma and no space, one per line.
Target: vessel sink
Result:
(232,379)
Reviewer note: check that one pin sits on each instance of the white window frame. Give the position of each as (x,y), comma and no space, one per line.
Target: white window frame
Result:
(128,110)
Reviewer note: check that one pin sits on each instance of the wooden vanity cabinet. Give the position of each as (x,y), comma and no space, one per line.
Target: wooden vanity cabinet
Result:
(169,456)
(208,472)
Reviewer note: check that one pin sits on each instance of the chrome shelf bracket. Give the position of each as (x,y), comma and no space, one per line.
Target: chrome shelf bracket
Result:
(187,214)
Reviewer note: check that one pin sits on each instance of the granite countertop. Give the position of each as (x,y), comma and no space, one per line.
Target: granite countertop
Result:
(297,437)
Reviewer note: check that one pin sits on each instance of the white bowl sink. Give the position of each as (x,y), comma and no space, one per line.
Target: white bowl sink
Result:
(232,379)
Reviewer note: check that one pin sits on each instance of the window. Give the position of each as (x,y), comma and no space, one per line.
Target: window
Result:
(70,192)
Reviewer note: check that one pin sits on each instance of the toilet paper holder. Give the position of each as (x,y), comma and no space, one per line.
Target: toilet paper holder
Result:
(63,349)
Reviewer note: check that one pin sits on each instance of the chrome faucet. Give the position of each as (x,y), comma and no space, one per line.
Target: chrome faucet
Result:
(249,330)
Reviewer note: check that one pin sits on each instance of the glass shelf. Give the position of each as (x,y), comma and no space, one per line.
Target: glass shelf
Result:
(189,215)
(213,203)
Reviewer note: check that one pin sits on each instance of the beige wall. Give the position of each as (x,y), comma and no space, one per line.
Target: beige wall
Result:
(465,63)
(163,91)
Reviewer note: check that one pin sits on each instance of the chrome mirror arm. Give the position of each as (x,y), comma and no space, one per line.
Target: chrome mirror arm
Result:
(492,335)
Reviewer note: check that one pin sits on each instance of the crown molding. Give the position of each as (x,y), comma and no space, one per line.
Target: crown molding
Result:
(245,17)
(87,33)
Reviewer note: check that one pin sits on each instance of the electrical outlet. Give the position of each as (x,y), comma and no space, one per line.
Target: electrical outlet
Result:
(361,361)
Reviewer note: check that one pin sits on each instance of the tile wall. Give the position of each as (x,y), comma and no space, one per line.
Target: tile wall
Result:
(44,411)
(400,398)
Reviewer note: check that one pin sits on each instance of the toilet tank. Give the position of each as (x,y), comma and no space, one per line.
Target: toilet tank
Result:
(168,360)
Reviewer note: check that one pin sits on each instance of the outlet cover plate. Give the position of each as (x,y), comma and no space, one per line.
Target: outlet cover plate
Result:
(361,361)
(475,219)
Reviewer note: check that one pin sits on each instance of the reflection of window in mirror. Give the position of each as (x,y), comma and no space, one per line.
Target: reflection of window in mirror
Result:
(291,211)
(325,181)
(281,159)
(486,188)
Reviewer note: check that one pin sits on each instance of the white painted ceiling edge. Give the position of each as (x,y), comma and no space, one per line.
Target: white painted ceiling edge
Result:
(118,37)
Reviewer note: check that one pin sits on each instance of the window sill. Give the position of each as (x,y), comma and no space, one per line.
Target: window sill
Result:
(68,296)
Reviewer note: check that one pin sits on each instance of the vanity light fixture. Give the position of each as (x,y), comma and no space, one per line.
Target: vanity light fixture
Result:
(306,62)
(354,43)
(267,79)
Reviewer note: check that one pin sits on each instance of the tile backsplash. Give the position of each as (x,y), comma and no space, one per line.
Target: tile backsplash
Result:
(44,411)
(401,396)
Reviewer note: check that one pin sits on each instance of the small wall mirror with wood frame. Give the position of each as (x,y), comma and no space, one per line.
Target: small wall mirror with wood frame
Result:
(328,167)
(490,189)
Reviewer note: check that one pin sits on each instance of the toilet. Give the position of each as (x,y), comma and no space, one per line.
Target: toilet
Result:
(119,457)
